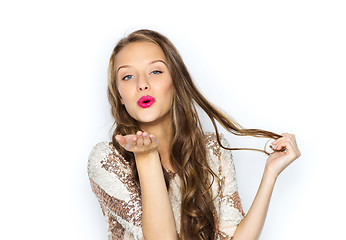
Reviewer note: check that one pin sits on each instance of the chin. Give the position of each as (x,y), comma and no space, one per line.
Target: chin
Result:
(150,119)
(147,120)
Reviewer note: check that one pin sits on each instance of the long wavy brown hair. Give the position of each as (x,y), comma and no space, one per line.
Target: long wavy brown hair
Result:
(188,152)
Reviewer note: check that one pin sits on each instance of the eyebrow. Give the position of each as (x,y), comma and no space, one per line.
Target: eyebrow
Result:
(154,61)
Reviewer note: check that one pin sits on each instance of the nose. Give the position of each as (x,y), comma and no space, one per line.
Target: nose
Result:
(143,84)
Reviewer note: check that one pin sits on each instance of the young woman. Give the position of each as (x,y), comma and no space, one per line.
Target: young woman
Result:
(162,176)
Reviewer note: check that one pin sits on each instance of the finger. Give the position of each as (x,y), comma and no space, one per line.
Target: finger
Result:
(289,142)
(276,143)
(282,146)
(291,150)
(121,140)
(278,139)
(139,139)
(146,139)
(289,137)
(285,136)
(130,141)
(281,143)
(154,139)
(125,141)
(282,136)
(293,142)
(130,138)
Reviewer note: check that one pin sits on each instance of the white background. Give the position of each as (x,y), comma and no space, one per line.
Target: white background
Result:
(273,65)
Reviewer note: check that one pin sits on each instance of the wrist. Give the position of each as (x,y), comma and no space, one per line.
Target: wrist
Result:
(147,157)
(270,175)
(149,167)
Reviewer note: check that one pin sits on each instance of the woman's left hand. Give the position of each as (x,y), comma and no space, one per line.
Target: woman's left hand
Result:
(278,161)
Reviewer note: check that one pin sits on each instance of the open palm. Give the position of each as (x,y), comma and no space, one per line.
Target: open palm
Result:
(141,143)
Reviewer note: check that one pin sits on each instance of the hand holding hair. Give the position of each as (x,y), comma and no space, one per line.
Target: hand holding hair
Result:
(285,152)
(173,117)
(279,160)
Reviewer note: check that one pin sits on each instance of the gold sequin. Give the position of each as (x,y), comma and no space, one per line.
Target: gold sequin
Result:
(234,201)
(117,231)
(131,210)
(213,145)
(223,236)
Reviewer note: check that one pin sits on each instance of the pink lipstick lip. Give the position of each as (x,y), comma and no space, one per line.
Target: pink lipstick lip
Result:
(146,101)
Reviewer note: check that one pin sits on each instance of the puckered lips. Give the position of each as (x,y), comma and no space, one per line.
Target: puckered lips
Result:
(146,101)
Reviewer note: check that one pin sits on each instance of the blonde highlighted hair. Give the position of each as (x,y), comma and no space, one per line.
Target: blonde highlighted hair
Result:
(188,151)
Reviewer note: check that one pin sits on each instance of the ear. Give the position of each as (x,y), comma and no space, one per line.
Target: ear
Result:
(122,101)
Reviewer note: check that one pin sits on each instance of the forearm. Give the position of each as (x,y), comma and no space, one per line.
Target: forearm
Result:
(252,224)
(157,215)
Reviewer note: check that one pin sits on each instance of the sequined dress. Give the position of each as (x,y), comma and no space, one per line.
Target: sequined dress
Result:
(120,197)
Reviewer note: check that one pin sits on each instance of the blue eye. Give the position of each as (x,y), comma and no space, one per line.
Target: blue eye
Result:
(156,72)
(127,77)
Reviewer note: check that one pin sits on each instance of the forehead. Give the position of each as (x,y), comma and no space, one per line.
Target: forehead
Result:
(139,52)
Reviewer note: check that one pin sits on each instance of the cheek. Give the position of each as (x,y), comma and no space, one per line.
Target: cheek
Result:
(168,87)
(127,98)
(122,93)
(121,96)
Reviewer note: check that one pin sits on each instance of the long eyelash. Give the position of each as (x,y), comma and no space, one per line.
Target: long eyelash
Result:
(126,76)
(131,75)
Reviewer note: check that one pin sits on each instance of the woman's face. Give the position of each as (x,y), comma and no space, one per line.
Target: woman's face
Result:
(144,82)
